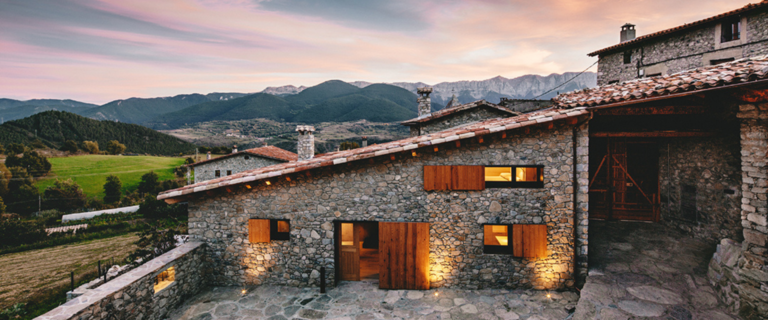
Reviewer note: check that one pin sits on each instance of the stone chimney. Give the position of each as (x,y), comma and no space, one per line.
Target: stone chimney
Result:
(208,156)
(234,150)
(425,103)
(365,141)
(306,147)
(627,32)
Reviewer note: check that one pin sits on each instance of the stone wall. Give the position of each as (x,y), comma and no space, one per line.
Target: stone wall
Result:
(700,181)
(131,295)
(238,163)
(392,190)
(682,51)
(459,119)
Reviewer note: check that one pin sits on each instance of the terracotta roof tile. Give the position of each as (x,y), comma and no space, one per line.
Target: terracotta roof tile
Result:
(336,158)
(739,71)
(458,108)
(270,152)
(684,27)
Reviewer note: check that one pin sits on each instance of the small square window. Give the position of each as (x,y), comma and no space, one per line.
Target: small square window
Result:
(217,173)
(229,172)
(496,239)
(627,57)
(164,279)
(247,157)
(279,229)
(731,30)
(514,176)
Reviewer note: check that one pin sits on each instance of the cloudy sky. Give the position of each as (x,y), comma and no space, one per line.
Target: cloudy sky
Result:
(97,51)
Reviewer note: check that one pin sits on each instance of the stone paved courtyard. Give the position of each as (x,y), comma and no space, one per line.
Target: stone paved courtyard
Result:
(363,300)
(647,271)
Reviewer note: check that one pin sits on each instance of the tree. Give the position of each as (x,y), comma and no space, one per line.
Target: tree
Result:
(38,144)
(347,145)
(64,195)
(91,146)
(188,160)
(14,149)
(115,147)
(5,177)
(2,149)
(69,146)
(149,183)
(22,194)
(113,189)
(170,184)
(2,206)
(36,164)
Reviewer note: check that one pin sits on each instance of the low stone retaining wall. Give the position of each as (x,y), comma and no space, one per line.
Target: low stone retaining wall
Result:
(739,286)
(132,295)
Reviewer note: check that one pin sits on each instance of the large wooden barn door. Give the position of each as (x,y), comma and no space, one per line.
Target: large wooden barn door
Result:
(624,182)
(404,255)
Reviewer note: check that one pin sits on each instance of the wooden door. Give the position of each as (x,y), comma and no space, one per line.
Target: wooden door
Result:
(624,180)
(349,252)
(404,255)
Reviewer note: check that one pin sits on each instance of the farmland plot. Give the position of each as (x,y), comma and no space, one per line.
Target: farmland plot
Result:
(24,274)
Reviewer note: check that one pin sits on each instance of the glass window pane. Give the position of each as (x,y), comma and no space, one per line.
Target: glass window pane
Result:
(525,174)
(501,174)
(282,226)
(495,235)
(347,234)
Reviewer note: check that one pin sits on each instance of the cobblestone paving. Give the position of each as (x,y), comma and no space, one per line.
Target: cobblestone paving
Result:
(363,300)
(647,271)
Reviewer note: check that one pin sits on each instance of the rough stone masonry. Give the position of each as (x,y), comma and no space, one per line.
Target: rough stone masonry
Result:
(392,190)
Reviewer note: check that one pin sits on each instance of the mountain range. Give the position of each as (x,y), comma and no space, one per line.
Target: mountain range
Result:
(329,101)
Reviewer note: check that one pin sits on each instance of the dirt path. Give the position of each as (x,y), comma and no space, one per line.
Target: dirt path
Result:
(25,273)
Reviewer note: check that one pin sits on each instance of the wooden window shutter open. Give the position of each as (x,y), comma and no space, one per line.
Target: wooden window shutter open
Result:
(529,240)
(467,178)
(258,230)
(437,178)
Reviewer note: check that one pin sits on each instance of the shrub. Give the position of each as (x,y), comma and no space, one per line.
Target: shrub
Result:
(64,195)
(347,145)
(112,189)
(69,146)
(152,208)
(36,164)
(91,146)
(14,149)
(149,183)
(37,144)
(14,232)
(22,194)
(2,206)
(115,147)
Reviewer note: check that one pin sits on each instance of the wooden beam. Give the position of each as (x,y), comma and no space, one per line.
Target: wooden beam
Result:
(653,134)
(174,200)
(652,110)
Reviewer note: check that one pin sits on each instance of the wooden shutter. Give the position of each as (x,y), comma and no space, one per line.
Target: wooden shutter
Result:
(529,240)
(404,255)
(467,178)
(437,178)
(258,230)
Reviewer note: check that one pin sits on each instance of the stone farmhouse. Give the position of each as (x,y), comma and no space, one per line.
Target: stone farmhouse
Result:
(238,162)
(725,37)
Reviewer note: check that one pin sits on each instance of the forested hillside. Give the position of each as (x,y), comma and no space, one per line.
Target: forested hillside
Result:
(55,127)
(140,110)
(331,101)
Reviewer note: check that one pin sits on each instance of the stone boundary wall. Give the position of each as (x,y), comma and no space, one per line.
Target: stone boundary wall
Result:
(382,189)
(737,287)
(131,295)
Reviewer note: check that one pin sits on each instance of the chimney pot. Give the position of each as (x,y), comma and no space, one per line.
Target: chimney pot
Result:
(627,32)
(234,150)
(425,102)
(208,156)
(306,145)
(365,141)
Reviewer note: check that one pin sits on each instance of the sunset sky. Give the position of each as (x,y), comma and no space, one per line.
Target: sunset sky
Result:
(99,51)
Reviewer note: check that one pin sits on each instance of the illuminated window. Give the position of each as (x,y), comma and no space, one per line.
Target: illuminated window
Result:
(496,239)
(347,234)
(514,176)
(280,229)
(164,279)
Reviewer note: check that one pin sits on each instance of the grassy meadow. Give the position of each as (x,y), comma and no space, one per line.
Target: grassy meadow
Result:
(91,171)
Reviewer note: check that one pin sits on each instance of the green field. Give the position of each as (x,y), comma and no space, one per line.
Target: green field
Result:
(91,171)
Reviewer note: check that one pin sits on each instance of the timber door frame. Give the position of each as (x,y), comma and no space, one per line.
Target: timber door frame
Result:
(337,245)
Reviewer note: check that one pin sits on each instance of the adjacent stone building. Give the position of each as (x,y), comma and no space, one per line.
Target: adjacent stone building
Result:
(240,161)
(725,37)
(454,116)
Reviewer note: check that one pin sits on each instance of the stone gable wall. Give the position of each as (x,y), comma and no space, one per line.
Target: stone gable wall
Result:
(710,168)
(680,52)
(392,190)
(131,296)
(237,164)
(458,119)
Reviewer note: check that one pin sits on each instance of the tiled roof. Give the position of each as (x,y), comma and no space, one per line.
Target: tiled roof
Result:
(455,109)
(336,158)
(735,72)
(270,152)
(684,27)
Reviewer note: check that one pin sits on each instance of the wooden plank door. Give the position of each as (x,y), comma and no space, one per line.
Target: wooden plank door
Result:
(349,252)
(404,255)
